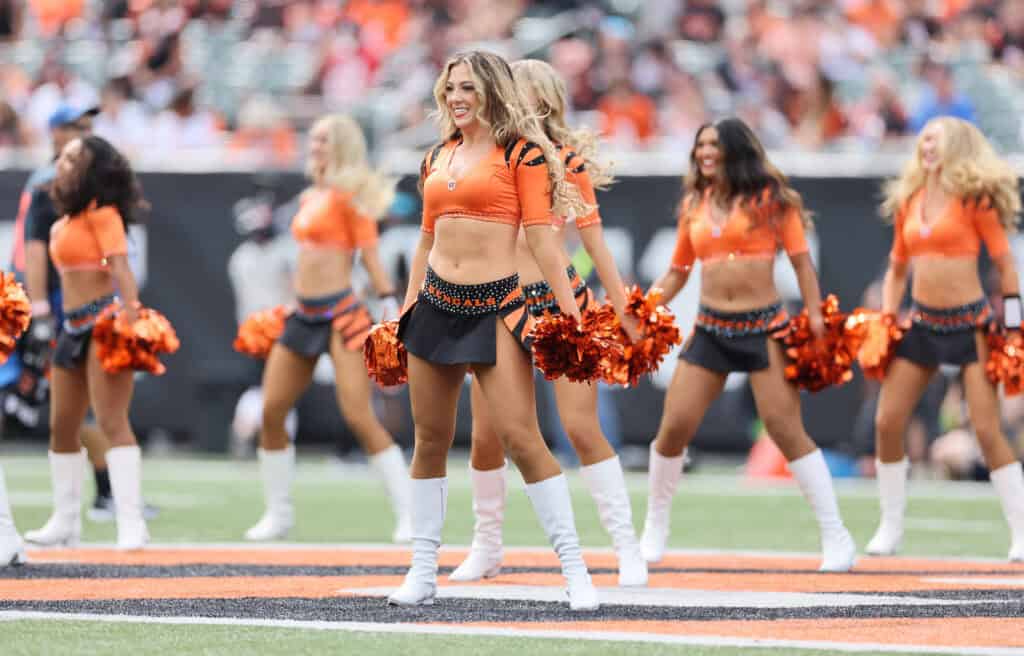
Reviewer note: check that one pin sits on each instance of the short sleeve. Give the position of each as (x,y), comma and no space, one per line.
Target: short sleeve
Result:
(899,251)
(683,256)
(427,223)
(107,226)
(40,217)
(794,239)
(532,184)
(576,172)
(362,229)
(990,228)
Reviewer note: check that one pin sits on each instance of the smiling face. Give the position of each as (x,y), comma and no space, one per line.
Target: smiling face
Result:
(707,153)
(461,96)
(930,148)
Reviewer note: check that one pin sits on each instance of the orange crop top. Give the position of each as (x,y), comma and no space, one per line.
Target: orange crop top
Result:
(327,219)
(86,240)
(739,237)
(576,173)
(509,185)
(957,232)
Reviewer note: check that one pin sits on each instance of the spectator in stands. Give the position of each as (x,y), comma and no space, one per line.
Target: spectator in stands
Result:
(702,21)
(122,120)
(14,133)
(158,79)
(264,133)
(56,86)
(880,18)
(940,97)
(881,114)
(683,110)
(184,126)
(815,114)
(627,117)
(51,15)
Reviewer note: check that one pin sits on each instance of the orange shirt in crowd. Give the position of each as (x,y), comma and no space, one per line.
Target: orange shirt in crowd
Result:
(634,115)
(879,17)
(52,14)
(388,16)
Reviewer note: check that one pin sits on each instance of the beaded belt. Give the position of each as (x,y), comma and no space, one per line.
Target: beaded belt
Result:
(952,320)
(82,318)
(471,300)
(763,321)
(325,308)
(540,298)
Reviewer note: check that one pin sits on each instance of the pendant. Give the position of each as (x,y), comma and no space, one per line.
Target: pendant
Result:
(451,184)
(716,231)
(925,231)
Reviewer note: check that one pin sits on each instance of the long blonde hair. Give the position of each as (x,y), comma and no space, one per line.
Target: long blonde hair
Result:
(551,106)
(504,112)
(971,171)
(348,168)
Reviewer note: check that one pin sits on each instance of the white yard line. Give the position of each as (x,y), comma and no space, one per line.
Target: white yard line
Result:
(449,630)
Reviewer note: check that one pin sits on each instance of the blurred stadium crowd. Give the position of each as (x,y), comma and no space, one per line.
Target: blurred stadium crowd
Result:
(234,83)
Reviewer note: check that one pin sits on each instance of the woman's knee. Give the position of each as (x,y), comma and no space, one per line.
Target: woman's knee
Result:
(116,427)
(521,443)
(783,427)
(890,424)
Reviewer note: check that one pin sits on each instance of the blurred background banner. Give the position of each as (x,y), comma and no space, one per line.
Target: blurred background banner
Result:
(212,99)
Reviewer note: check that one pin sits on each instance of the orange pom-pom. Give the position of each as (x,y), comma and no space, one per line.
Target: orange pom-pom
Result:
(564,347)
(387,361)
(15,314)
(819,363)
(876,335)
(260,330)
(134,347)
(1005,363)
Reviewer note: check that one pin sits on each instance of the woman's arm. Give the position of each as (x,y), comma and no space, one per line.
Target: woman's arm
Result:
(418,268)
(381,282)
(547,250)
(592,237)
(893,286)
(1010,285)
(807,278)
(671,283)
(124,280)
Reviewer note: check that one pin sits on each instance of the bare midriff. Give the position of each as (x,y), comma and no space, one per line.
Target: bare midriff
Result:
(81,286)
(941,281)
(322,271)
(739,284)
(468,251)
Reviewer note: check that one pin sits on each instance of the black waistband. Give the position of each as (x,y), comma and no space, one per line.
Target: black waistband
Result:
(761,321)
(539,295)
(82,318)
(952,319)
(326,307)
(470,300)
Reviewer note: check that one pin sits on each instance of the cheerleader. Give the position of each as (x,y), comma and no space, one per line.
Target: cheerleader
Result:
(495,171)
(337,216)
(953,194)
(577,402)
(97,193)
(737,211)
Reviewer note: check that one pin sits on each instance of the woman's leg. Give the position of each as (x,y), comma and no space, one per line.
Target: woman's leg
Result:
(12,549)
(1004,468)
(69,403)
(602,471)
(902,388)
(507,387)
(690,394)
(487,477)
(434,394)
(286,376)
(778,404)
(111,395)
(353,387)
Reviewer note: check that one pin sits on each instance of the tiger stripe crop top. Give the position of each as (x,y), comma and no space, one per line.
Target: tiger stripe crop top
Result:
(328,219)
(745,234)
(509,185)
(957,232)
(86,240)
(576,174)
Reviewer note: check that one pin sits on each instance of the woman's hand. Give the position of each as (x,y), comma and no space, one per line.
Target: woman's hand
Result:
(631,325)
(127,316)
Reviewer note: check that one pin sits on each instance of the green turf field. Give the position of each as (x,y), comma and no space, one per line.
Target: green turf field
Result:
(208,500)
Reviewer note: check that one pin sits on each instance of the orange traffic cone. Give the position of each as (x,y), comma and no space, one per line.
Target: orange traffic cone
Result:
(766,461)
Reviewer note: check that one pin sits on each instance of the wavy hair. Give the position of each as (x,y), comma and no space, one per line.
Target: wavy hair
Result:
(747,175)
(504,112)
(971,171)
(540,79)
(102,177)
(348,169)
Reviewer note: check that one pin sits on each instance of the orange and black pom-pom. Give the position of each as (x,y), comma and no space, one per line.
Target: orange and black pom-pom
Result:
(134,347)
(15,314)
(658,332)
(875,335)
(1005,363)
(386,359)
(819,363)
(562,347)
(259,331)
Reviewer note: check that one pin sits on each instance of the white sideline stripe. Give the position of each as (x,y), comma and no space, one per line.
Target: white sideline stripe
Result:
(1009,581)
(596,636)
(459,548)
